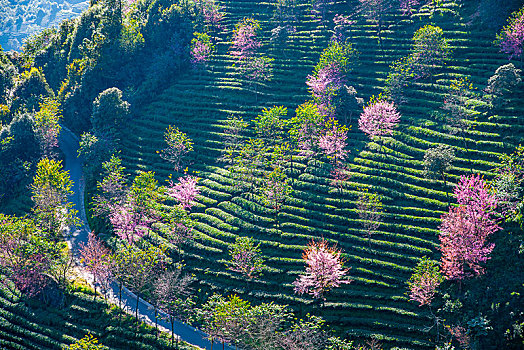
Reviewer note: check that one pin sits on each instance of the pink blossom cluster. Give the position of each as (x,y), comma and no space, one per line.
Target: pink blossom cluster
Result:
(185,191)
(324,270)
(511,39)
(96,258)
(245,41)
(128,223)
(200,53)
(465,229)
(333,142)
(406,6)
(211,12)
(379,119)
(324,85)
(30,278)
(342,25)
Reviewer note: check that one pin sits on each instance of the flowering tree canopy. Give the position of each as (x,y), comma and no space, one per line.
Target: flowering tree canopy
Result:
(324,270)
(97,260)
(333,141)
(245,41)
(185,191)
(424,281)
(246,257)
(379,118)
(201,49)
(511,37)
(25,256)
(465,230)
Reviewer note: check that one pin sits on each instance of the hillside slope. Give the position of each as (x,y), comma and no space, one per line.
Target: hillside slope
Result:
(375,302)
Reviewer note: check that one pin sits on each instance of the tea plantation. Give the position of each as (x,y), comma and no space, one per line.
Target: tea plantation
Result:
(375,303)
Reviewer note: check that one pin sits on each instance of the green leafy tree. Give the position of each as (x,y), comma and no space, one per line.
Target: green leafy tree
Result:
(51,188)
(110,113)
(246,257)
(88,342)
(370,212)
(178,145)
(31,89)
(462,104)
(47,126)
(275,190)
(430,49)
(343,55)
(305,128)
(270,123)
(438,161)
(506,77)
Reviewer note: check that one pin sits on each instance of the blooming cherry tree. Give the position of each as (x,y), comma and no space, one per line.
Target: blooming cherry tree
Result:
(324,270)
(185,191)
(511,38)
(96,258)
(424,281)
(379,118)
(246,257)
(333,141)
(465,229)
(245,41)
(201,49)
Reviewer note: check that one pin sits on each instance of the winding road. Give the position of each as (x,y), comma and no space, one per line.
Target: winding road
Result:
(69,144)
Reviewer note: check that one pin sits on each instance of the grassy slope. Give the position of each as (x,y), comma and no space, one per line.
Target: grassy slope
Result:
(375,302)
(30,325)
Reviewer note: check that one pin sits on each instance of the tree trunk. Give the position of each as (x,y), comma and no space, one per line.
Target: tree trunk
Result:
(94,286)
(172,320)
(136,310)
(119,301)
(156,322)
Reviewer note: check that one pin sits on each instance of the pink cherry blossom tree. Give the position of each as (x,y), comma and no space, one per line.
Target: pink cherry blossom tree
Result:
(96,258)
(324,270)
(184,191)
(211,13)
(511,37)
(333,141)
(379,118)
(324,85)
(246,257)
(465,229)
(422,285)
(24,255)
(424,281)
(201,50)
(245,41)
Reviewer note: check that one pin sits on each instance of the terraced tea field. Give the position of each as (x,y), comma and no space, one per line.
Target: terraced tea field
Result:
(32,325)
(375,302)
